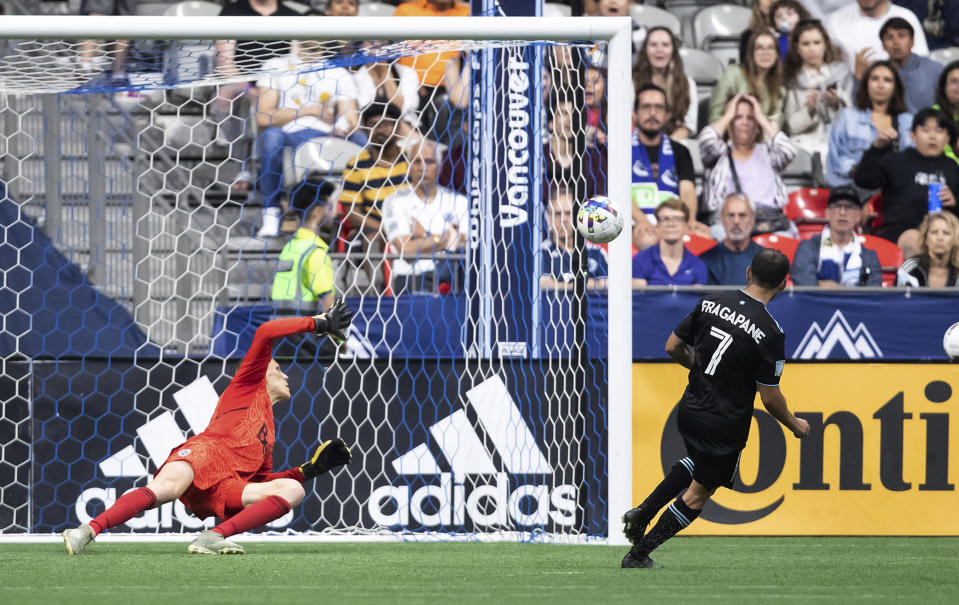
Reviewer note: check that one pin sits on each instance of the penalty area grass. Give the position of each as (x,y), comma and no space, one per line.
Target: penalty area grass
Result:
(717,570)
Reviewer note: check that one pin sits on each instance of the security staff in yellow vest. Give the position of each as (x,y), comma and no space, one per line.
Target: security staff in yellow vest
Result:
(304,278)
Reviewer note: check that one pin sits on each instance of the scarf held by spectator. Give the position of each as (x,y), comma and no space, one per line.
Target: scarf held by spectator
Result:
(841,264)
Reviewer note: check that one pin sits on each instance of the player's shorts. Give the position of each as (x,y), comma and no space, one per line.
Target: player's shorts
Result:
(108,7)
(712,471)
(217,489)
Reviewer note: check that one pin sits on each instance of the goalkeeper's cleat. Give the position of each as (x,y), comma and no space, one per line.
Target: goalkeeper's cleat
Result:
(330,454)
(632,561)
(77,539)
(211,543)
(635,523)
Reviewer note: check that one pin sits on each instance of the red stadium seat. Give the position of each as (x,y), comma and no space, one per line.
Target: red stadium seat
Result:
(872,213)
(697,244)
(808,203)
(890,256)
(786,245)
(807,208)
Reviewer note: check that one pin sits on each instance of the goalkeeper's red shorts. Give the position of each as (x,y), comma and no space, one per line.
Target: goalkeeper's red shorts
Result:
(217,489)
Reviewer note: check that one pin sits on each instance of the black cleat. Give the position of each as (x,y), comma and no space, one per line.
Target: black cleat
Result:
(635,523)
(631,561)
(330,454)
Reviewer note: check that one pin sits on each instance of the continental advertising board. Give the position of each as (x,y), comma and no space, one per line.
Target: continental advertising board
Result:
(878,459)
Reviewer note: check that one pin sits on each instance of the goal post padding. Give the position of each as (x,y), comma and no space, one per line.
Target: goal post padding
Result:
(466,409)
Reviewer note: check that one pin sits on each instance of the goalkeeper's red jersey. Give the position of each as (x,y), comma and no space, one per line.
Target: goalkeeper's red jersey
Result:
(238,442)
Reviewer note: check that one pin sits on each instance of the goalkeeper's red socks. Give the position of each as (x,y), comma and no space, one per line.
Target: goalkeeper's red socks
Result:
(253,516)
(126,507)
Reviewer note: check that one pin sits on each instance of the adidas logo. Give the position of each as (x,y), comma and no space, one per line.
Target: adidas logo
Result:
(196,402)
(818,342)
(450,503)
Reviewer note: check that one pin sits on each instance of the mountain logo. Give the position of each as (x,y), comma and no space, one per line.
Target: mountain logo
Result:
(819,342)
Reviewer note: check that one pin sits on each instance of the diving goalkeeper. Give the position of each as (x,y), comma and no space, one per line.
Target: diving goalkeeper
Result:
(226,470)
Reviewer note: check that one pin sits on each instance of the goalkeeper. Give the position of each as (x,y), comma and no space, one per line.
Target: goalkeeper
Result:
(225,471)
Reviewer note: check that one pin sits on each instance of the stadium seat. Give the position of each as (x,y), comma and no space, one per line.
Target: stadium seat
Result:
(800,172)
(193,8)
(807,208)
(945,55)
(555,9)
(701,66)
(651,16)
(871,217)
(890,256)
(786,245)
(717,28)
(697,244)
(685,10)
(327,156)
(376,9)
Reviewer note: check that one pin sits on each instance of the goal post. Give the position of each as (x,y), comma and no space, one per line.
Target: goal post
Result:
(488,400)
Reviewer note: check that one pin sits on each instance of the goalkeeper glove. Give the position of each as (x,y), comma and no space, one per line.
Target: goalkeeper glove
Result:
(334,321)
(330,454)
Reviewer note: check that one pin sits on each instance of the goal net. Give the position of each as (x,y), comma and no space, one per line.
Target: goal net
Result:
(167,192)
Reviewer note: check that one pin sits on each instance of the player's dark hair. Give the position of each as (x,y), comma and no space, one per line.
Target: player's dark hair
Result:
(898,24)
(769,268)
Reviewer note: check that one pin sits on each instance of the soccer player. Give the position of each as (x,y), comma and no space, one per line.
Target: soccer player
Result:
(226,469)
(732,346)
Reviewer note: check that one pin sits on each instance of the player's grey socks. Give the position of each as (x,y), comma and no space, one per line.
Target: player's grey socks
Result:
(671,486)
(676,517)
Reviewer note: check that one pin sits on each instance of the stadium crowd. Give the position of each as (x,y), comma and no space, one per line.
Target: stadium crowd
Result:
(847,84)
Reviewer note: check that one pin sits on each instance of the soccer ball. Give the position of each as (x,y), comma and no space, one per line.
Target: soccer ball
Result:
(950,341)
(598,220)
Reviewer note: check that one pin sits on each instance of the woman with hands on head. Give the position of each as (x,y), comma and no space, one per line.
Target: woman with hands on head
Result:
(744,152)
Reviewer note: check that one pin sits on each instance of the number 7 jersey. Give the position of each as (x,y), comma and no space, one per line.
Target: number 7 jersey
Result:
(738,345)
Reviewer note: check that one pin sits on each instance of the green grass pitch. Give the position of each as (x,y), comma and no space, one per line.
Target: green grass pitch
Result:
(696,570)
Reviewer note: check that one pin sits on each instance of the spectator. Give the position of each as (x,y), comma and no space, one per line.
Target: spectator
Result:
(918,74)
(422,222)
(744,152)
(947,99)
(430,67)
(342,8)
(615,8)
(726,262)
(660,63)
(784,16)
(760,75)
(669,263)
(855,28)
(389,82)
(662,168)
(293,108)
(234,58)
(90,60)
(880,109)
(817,87)
(937,263)
(836,257)
(905,178)
(759,21)
(376,173)
(939,18)
(304,280)
(582,171)
(557,251)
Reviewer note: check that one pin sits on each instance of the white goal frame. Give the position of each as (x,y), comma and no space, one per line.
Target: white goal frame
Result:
(617,31)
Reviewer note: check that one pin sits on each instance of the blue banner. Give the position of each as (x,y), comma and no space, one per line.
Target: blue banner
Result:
(505,190)
(893,325)
(890,325)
